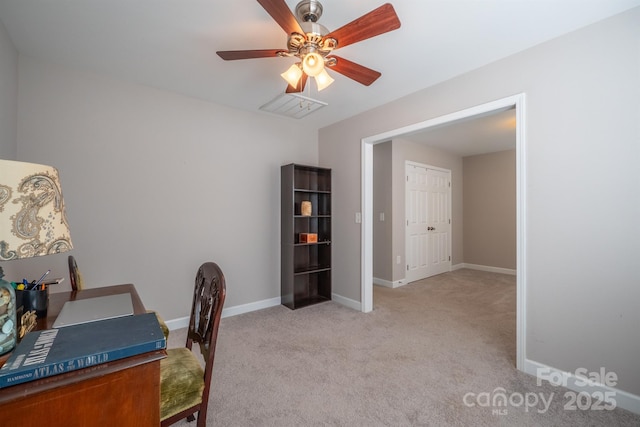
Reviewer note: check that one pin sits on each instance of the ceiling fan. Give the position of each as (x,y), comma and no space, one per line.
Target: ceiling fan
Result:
(314,44)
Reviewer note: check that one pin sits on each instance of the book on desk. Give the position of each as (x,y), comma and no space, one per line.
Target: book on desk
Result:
(50,352)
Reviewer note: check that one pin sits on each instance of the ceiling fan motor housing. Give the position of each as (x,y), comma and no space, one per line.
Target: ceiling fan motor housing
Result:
(309,10)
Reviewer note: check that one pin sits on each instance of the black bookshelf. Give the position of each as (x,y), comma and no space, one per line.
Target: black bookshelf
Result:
(305,265)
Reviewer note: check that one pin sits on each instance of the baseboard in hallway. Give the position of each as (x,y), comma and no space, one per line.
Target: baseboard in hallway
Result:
(484,268)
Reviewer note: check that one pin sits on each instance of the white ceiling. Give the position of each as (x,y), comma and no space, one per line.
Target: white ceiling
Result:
(171,44)
(487,133)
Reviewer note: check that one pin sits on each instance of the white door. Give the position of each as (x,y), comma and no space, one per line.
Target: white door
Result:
(428,221)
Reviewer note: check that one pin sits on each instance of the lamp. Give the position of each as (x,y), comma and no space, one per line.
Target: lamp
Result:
(323,80)
(32,223)
(313,65)
(292,75)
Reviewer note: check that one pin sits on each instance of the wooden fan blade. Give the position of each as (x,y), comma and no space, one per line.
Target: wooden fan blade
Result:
(230,55)
(354,71)
(300,87)
(374,23)
(281,13)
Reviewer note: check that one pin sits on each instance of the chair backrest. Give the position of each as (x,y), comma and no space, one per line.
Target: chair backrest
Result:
(208,298)
(74,275)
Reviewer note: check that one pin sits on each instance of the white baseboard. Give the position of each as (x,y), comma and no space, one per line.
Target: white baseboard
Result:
(484,268)
(623,399)
(398,283)
(252,306)
(179,323)
(388,284)
(183,322)
(347,302)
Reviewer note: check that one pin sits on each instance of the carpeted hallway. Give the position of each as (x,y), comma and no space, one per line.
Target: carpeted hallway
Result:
(410,362)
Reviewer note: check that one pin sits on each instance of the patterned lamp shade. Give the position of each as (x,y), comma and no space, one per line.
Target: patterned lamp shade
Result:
(32,216)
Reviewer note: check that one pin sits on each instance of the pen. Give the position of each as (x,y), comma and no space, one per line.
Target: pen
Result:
(43,276)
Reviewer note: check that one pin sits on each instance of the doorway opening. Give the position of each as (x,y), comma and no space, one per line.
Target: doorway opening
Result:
(518,103)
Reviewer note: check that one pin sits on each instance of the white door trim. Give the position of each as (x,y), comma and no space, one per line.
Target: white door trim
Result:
(366,273)
(424,165)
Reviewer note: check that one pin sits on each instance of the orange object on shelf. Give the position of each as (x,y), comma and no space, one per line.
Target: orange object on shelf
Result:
(308,237)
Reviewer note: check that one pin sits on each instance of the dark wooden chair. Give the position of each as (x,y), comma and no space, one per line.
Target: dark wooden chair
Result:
(184,384)
(77,284)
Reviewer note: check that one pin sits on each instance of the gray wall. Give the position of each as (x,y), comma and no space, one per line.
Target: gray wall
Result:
(490,209)
(583,194)
(8,96)
(382,203)
(156,183)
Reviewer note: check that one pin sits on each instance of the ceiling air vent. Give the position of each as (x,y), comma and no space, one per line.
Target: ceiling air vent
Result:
(292,105)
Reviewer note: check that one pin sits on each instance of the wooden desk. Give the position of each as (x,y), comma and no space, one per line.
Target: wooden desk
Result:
(121,393)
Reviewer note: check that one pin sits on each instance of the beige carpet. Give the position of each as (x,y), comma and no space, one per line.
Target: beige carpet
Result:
(408,363)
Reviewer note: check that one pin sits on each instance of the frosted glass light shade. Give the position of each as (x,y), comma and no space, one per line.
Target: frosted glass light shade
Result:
(313,64)
(292,75)
(32,216)
(323,80)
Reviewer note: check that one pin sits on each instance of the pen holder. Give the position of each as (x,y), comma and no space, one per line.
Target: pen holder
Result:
(37,299)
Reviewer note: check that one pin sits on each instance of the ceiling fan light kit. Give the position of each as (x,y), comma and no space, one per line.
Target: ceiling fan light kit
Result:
(323,79)
(312,43)
(292,75)
(313,64)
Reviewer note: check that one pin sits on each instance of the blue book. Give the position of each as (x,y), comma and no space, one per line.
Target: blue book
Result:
(51,352)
